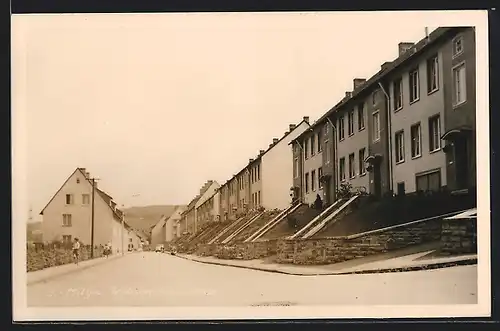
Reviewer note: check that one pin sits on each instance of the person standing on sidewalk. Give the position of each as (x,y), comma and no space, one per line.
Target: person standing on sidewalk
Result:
(76,250)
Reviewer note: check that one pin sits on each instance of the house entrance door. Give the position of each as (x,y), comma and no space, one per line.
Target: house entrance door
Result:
(461,162)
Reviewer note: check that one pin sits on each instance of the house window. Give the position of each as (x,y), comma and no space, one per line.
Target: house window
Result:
(352,166)
(362,168)
(376,126)
(414,85)
(458,46)
(432,74)
(327,128)
(320,141)
(361,117)
(69,199)
(313,180)
(66,238)
(434,133)
(78,180)
(307,182)
(313,150)
(398,93)
(429,182)
(85,199)
(66,220)
(306,148)
(375,98)
(258,198)
(258,171)
(320,174)
(416,141)
(296,168)
(350,122)
(400,146)
(341,128)
(342,169)
(459,85)
(327,152)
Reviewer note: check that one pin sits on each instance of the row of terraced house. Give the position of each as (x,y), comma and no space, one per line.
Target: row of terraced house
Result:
(409,128)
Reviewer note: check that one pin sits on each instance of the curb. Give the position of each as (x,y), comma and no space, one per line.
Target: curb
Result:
(51,277)
(429,266)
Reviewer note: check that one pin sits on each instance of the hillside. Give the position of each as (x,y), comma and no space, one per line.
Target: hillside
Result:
(144,218)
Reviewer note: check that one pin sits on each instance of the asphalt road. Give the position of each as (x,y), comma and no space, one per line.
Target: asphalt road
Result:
(155,279)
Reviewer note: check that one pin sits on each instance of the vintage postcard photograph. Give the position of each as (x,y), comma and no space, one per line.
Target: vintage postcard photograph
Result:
(275,165)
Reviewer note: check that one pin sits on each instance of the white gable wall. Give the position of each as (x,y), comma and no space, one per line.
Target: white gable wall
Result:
(277,172)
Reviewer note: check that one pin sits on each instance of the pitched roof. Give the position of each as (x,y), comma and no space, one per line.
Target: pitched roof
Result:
(259,157)
(418,48)
(104,196)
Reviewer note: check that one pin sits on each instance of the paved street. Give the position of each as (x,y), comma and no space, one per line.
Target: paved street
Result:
(154,279)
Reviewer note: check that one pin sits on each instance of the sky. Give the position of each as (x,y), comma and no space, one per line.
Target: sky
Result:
(154,105)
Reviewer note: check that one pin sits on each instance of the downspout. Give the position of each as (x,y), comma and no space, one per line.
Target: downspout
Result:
(335,160)
(389,135)
(302,160)
(249,196)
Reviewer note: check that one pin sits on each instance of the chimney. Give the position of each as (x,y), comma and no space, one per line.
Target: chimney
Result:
(291,127)
(348,94)
(357,82)
(270,145)
(306,119)
(385,65)
(250,160)
(404,46)
(261,152)
(87,174)
(275,140)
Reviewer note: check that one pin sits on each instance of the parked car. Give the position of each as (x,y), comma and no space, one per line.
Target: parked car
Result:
(159,248)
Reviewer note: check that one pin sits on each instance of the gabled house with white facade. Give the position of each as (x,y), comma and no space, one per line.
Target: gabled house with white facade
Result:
(68,214)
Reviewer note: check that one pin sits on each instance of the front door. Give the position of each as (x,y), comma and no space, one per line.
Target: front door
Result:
(461,162)
(377,180)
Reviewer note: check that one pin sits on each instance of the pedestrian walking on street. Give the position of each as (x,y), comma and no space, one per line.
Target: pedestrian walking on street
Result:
(107,249)
(76,250)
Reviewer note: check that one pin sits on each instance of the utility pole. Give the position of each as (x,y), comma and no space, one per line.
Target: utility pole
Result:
(92,221)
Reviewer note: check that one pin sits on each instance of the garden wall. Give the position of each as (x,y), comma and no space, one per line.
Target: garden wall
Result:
(459,236)
(338,249)
(40,257)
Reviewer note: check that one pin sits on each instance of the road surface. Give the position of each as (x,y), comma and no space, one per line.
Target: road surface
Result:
(156,279)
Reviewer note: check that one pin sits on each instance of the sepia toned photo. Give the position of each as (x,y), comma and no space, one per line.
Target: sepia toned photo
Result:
(250,165)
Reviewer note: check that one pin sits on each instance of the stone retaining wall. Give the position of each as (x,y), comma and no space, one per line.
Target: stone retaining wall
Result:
(338,249)
(239,251)
(459,236)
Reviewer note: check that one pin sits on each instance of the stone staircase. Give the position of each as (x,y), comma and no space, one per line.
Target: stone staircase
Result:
(303,214)
(212,232)
(272,223)
(228,231)
(242,227)
(255,226)
(325,217)
(317,219)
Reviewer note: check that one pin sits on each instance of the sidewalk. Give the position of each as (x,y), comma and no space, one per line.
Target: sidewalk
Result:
(38,276)
(411,262)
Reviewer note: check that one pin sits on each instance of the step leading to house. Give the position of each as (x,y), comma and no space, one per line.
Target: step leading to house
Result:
(327,219)
(241,228)
(315,220)
(229,227)
(259,233)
